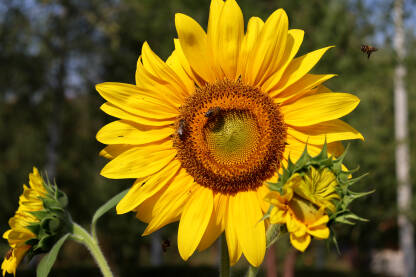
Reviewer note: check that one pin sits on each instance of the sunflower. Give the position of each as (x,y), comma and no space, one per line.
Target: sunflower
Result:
(304,204)
(204,131)
(38,223)
(30,201)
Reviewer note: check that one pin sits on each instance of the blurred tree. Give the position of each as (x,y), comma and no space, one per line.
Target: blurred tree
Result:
(404,187)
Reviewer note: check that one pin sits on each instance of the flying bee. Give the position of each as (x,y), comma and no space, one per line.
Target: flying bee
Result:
(181,128)
(165,245)
(368,49)
(212,112)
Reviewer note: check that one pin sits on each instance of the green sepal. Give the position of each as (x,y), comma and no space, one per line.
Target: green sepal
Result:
(54,220)
(52,204)
(45,265)
(40,214)
(45,243)
(51,224)
(34,228)
(332,240)
(32,242)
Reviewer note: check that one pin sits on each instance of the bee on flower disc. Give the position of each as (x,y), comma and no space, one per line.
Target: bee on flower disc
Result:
(181,128)
(212,112)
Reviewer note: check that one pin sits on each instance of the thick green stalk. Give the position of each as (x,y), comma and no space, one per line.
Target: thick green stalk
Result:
(82,236)
(225,258)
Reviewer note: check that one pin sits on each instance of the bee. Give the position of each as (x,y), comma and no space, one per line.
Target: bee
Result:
(165,245)
(213,112)
(9,254)
(368,49)
(181,128)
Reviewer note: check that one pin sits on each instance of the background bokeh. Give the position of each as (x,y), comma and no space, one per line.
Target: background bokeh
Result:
(53,52)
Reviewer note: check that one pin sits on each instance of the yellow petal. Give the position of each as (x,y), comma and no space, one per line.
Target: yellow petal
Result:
(321,232)
(164,74)
(140,192)
(213,33)
(186,66)
(113,150)
(277,216)
(230,36)
(234,247)
(174,62)
(171,203)
(153,86)
(298,68)
(216,223)
(139,162)
(254,26)
(127,132)
(295,148)
(249,227)
(323,220)
(268,51)
(333,130)
(300,88)
(10,265)
(193,41)
(6,234)
(319,108)
(194,221)
(300,243)
(145,210)
(19,237)
(294,40)
(115,111)
(261,194)
(336,148)
(137,101)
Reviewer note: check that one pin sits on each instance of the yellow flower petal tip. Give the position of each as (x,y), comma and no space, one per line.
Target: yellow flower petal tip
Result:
(233,105)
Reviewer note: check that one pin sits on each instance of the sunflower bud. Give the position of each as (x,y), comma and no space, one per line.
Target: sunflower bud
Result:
(311,195)
(38,223)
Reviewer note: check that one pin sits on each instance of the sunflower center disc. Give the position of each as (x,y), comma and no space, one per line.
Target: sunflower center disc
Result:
(230,137)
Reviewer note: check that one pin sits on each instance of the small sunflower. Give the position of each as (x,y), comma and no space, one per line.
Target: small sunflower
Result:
(303,206)
(204,131)
(37,223)
(19,234)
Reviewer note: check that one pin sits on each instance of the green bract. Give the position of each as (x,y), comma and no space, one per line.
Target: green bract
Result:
(54,220)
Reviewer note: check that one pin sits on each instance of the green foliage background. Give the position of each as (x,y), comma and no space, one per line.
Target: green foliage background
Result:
(52,53)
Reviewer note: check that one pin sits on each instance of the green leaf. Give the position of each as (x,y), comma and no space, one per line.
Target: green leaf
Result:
(105,208)
(48,260)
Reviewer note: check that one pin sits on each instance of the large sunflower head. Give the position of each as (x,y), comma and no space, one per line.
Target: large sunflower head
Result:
(38,222)
(203,131)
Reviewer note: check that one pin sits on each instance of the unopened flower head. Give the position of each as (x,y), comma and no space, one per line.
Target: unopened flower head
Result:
(38,222)
(310,195)
(204,131)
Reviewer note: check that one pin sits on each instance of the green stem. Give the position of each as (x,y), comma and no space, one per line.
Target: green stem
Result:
(82,236)
(225,258)
(272,235)
(252,271)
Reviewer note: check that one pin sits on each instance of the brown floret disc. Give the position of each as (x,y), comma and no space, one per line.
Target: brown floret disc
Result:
(231,137)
